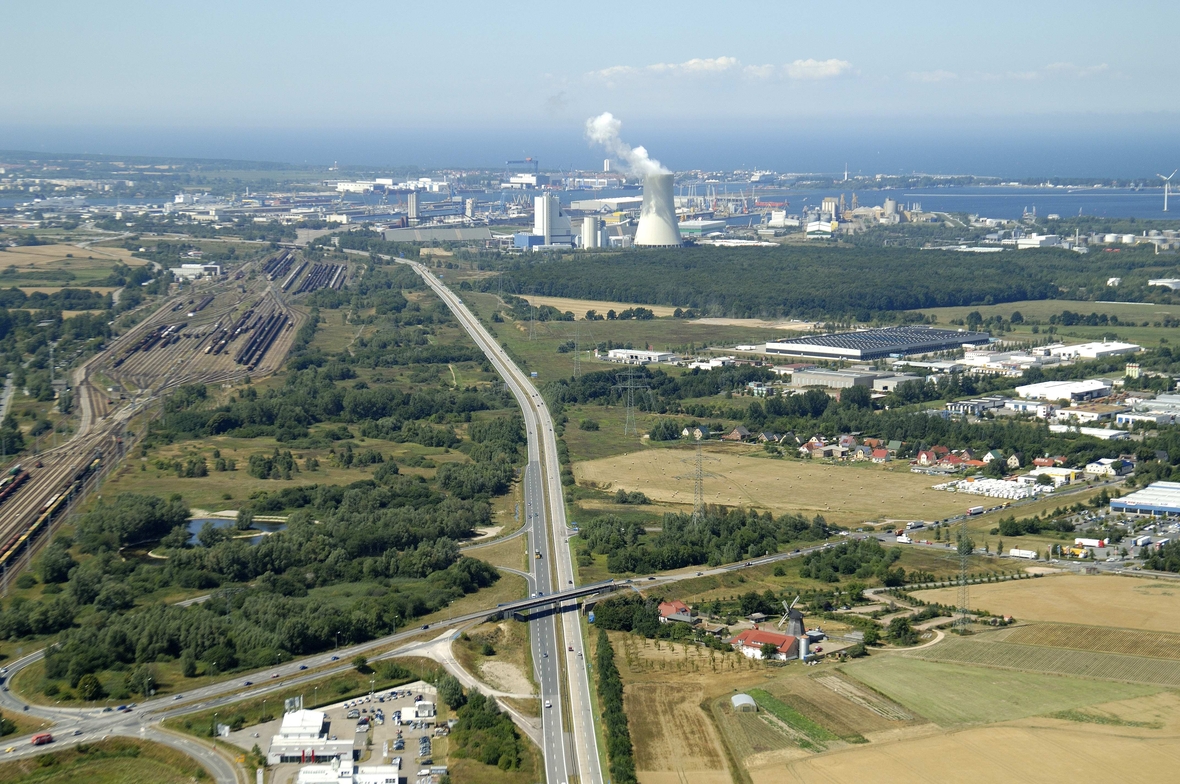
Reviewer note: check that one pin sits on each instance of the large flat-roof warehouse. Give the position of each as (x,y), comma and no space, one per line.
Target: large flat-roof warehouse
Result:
(1158,499)
(877,343)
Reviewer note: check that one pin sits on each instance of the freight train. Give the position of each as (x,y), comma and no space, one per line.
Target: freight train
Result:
(48,511)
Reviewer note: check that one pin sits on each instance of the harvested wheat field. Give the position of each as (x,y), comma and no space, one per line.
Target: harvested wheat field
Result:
(674,739)
(843,494)
(1095,600)
(39,256)
(579,306)
(1056,752)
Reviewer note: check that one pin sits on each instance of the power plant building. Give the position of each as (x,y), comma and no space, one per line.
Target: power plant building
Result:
(657,217)
(877,343)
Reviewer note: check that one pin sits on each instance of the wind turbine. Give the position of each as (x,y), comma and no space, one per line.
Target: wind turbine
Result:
(1167,186)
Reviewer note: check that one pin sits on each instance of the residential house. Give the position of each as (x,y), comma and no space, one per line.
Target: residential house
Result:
(894,447)
(739,433)
(927,457)
(953,462)
(846,441)
(880,456)
(767,437)
(1046,462)
(873,443)
(749,643)
(1015,460)
(1108,467)
(673,607)
(993,454)
(862,452)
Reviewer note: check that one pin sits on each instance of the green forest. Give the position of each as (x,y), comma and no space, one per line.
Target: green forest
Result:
(393,536)
(833,282)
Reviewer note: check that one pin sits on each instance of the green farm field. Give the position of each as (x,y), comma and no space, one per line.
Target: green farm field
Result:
(951,694)
(115,761)
(1055,661)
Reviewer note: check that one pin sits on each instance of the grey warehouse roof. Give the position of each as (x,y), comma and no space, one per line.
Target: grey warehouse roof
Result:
(876,343)
(1158,498)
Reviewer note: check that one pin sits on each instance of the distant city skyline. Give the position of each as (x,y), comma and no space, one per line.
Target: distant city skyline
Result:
(1058,84)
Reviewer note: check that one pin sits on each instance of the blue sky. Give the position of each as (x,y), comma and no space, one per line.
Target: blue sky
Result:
(85,70)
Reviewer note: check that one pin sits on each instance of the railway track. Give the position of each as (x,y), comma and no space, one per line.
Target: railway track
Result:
(164,351)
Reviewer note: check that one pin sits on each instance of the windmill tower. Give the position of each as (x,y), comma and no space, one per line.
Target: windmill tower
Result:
(1167,186)
(792,618)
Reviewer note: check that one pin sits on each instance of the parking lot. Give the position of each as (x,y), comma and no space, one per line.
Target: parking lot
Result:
(385,727)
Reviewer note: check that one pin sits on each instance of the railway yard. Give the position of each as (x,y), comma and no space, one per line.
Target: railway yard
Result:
(214,333)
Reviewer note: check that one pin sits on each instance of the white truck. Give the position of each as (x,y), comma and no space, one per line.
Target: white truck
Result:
(1029,554)
(1140,541)
(1082,542)
(903,539)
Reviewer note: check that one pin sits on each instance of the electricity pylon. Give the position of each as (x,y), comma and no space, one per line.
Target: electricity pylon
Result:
(627,383)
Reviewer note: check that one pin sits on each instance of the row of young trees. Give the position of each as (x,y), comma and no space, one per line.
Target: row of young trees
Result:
(619,749)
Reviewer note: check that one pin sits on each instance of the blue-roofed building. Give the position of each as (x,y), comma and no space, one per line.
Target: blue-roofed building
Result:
(1158,499)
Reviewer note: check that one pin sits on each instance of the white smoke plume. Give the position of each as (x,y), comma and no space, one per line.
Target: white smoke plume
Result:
(604,130)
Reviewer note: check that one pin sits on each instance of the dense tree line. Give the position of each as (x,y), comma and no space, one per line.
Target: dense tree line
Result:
(860,559)
(1164,559)
(486,733)
(721,536)
(614,717)
(831,281)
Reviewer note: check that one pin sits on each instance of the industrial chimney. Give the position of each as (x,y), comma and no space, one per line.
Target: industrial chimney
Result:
(657,218)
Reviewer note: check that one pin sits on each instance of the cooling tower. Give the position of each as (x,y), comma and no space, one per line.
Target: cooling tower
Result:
(657,219)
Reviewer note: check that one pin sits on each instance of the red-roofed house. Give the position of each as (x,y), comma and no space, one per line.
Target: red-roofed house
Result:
(673,607)
(941,451)
(927,457)
(880,455)
(749,643)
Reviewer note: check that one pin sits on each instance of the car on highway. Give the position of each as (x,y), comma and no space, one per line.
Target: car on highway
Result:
(77,733)
(177,697)
(274,675)
(571,649)
(548,704)
(247,683)
(303,666)
(10,749)
(545,654)
(425,626)
(334,658)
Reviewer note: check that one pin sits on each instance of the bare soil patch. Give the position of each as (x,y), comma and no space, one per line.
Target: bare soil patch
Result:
(579,306)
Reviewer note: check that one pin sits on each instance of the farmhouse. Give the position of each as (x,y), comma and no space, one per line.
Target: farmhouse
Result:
(749,643)
(676,611)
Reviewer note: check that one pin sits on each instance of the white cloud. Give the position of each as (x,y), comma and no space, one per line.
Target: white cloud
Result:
(1069,69)
(932,76)
(693,67)
(759,71)
(817,69)
(704,66)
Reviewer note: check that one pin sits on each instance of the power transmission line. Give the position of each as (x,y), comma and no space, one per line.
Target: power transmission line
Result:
(964,546)
(627,382)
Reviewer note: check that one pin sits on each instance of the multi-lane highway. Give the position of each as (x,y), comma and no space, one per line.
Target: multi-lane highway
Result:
(571,746)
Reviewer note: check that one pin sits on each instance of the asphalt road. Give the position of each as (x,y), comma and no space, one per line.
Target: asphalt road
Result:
(561,672)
